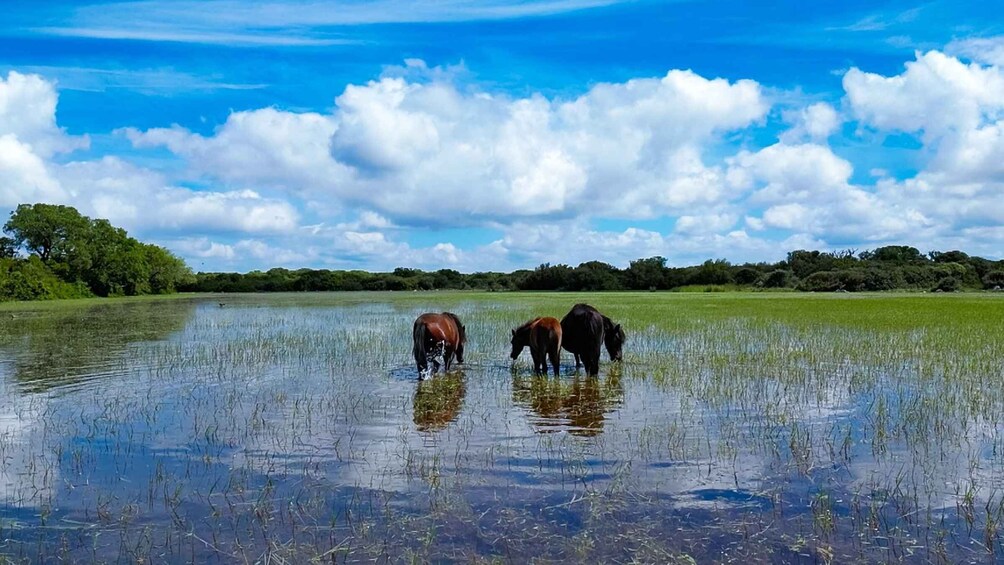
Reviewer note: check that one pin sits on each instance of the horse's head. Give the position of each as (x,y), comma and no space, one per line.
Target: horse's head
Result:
(613,338)
(520,339)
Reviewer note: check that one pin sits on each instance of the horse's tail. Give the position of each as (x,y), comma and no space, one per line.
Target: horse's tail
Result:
(418,345)
(461,335)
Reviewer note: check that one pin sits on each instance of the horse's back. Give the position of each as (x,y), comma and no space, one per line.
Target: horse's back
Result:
(439,327)
(581,328)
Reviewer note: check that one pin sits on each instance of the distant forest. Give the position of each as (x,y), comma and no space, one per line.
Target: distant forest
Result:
(886,268)
(52,251)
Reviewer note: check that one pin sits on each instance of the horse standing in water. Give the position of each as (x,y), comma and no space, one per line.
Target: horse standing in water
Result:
(584,329)
(435,334)
(543,335)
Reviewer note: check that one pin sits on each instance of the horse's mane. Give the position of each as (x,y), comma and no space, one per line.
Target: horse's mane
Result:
(608,326)
(460,327)
(526,327)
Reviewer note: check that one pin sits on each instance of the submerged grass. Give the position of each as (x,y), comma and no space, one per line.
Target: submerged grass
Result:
(740,426)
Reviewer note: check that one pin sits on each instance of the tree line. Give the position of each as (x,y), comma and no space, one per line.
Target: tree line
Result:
(51,251)
(886,268)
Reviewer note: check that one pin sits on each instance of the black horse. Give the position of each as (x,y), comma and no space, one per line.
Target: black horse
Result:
(583,329)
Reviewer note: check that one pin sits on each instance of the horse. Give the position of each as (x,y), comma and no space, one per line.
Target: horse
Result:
(435,334)
(543,335)
(584,329)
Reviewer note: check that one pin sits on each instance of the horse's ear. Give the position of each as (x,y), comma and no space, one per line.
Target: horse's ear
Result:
(513,332)
(617,328)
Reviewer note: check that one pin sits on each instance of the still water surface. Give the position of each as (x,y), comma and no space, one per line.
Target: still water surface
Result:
(293,427)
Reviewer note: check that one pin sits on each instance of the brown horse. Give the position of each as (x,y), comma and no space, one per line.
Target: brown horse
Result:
(543,335)
(584,330)
(434,335)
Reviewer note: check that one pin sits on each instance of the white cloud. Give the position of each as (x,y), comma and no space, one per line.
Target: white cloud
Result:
(28,112)
(959,108)
(708,223)
(936,95)
(24,176)
(783,173)
(788,216)
(815,122)
(419,147)
(266,147)
(282,22)
(430,152)
(988,50)
(138,198)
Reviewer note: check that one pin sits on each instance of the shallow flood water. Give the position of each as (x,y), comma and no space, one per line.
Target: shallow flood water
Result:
(293,427)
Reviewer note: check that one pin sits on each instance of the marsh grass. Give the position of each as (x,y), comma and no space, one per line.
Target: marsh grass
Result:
(291,428)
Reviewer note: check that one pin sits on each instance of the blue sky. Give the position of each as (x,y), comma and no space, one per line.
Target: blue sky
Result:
(499,135)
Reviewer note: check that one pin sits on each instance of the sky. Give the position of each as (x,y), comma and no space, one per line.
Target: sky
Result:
(491,135)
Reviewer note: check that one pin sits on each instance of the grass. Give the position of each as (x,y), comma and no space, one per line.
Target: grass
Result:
(774,427)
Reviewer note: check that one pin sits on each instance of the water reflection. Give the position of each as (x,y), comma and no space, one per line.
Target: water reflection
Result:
(438,400)
(578,405)
(42,349)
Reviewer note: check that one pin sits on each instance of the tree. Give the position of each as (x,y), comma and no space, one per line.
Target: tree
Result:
(993,279)
(747,276)
(168,273)
(644,274)
(778,278)
(713,271)
(50,231)
(8,248)
(898,254)
(595,275)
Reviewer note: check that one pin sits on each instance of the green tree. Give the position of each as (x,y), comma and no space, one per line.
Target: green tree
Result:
(52,232)
(644,274)
(897,254)
(993,279)
(168,273)
(8,248)
(713,271)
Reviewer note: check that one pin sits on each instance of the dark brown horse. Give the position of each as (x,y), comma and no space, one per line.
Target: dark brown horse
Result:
(543,335)
(584,329)
(434,335)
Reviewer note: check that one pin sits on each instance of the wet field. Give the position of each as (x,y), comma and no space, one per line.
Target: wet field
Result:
(284,428)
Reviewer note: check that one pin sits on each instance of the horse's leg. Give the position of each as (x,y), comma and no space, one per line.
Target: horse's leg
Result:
(555,355)
(592,363)
(578,363)
(537,360)
(447,356)
(434,356)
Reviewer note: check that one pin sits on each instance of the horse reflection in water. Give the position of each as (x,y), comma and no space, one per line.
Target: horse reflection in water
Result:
(579,405)
(437,401)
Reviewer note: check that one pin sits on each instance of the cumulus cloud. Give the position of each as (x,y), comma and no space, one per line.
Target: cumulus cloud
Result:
(937,94)
(110,187)
(139,198)
(28,113)
(815,122)
(988,50)
(24,176)
(430,152)
(958,108)
(422,148)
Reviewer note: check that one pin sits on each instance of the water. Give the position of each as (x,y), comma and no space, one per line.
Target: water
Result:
(294,427)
